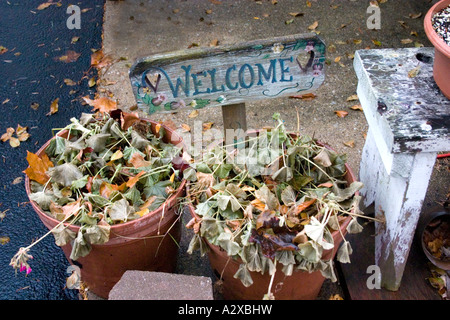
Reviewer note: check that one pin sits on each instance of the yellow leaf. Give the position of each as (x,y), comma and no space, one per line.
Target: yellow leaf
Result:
(353,97)
(45,5)
(414,72)
(117,155)
(143,212)
(53,107)
(314,25)
(193,114)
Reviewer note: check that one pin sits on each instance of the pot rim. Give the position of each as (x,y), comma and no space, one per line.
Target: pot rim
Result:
(434,38)
(167,204)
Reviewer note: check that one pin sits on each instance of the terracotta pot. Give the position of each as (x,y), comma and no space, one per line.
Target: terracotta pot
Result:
(300,285)
(441,69)
(141,244)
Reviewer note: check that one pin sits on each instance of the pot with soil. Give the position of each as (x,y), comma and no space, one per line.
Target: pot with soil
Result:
(436,23)
(107,188)
(271,216)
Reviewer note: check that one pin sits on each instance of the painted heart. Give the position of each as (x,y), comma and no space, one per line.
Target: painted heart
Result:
(152,80)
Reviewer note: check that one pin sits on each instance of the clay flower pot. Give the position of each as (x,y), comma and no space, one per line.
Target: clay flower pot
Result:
(267,235)
(148,243)
(441,69)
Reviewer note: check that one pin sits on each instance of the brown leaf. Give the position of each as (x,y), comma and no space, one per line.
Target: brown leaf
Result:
(306,97)
(314,25)
(341,113)
(133,180)
(7,135)
(353,97)
(101,104)
(138,161)
(193,114)
(38,167)
(357,107)
(45,5)
(70,56)
(99,60)
(53,107)
(350,143)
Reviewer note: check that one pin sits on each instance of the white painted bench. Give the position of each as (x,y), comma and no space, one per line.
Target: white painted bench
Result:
(409,121)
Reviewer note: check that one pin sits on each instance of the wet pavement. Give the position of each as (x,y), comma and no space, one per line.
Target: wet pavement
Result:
(33,72)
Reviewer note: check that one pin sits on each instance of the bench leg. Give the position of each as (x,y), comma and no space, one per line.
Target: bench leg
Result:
(398,193)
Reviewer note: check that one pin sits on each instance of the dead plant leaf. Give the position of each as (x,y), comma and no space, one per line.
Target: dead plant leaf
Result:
(101,104)
(341,113)
(38,167)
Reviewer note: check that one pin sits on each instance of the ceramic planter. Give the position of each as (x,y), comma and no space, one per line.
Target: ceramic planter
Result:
(441,67)
(300,285)
(148,243)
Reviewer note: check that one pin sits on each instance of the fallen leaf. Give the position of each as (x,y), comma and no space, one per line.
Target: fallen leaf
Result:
(74,40)
(38,167)
(306,97)
(7,135)
(350,144)
(356,41)
(101,104)
(207,125)
(186,127)
(414,72)
(4,240)
(341,113)
(193,114)
(406,41)
(17,180)
(69,82)
(214,43)
(357,107)
(308,3)
(45,5)
(3,49)
(91,82)
(53,107)
(314,25)
(70,56)
(296,14)
(415,15)
(376,42)
(99,60)
(14,142)
(353,97)
(289,21)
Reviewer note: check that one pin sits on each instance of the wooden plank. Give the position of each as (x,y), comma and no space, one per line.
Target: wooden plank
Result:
(354,275)
(223,75)
(235,124)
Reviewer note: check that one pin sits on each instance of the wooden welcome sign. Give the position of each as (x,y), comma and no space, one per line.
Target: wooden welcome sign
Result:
(229,75)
